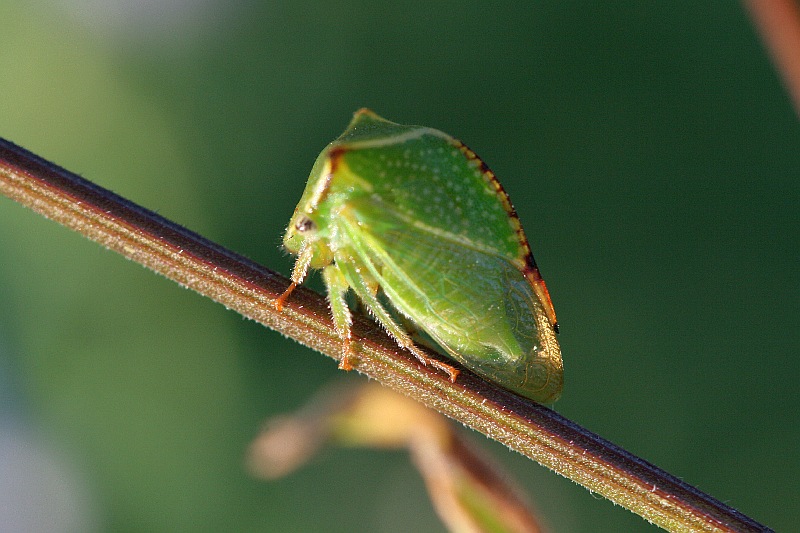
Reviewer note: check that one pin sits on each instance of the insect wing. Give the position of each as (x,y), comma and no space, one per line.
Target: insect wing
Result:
(476,305)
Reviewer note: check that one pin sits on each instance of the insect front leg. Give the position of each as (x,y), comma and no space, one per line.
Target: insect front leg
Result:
(337,286)
(304,257)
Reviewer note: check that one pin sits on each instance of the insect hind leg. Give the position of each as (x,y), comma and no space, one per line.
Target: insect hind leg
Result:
(369,297)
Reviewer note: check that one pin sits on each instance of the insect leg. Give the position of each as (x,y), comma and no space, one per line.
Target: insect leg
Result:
(337,287)
(361,287)
(304,257)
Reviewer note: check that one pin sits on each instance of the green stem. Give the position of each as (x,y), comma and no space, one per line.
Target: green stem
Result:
(250,289)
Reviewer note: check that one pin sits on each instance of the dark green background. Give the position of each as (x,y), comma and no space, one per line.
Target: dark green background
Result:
(649,149)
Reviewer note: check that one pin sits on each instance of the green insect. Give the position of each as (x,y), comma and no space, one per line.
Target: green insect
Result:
(413,212)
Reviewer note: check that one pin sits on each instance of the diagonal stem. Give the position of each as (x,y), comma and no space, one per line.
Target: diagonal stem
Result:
(778,22)
(250,289)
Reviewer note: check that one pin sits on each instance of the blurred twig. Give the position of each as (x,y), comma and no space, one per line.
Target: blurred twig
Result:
(248,288)
(778,22)
(469,493)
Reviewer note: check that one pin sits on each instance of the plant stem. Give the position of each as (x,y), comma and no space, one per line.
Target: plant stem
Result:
(778,22)
(250,289)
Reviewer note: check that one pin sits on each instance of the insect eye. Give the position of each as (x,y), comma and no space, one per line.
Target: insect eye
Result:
(304,224)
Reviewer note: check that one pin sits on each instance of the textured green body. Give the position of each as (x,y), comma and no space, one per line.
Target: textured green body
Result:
(413,212)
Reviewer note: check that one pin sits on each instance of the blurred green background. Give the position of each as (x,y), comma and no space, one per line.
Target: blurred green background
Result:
(649,149)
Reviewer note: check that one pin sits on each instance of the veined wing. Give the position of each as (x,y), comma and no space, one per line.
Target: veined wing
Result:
(477,305)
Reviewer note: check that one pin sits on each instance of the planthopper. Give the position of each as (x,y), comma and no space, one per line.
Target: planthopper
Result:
(419,228)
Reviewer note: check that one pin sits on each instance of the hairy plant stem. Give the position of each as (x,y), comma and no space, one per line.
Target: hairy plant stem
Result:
(250,289)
